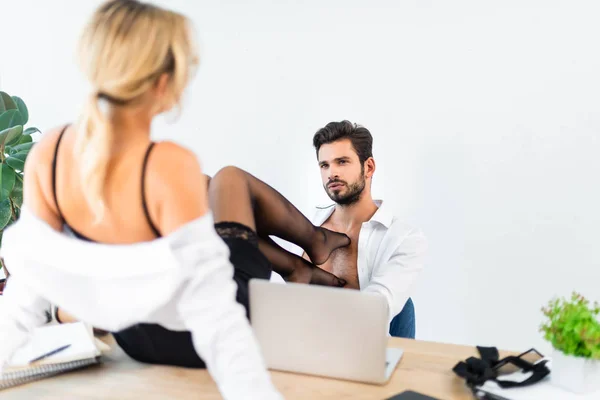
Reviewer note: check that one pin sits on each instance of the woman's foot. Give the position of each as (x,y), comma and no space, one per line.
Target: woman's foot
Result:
(324,243)
(305,272)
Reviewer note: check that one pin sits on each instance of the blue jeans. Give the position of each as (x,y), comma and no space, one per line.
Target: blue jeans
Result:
(403,324)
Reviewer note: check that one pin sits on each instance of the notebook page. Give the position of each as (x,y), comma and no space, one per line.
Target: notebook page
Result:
(47,338)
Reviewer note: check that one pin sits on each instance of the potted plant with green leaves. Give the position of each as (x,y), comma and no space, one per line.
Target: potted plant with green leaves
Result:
(15,144)
(573,329)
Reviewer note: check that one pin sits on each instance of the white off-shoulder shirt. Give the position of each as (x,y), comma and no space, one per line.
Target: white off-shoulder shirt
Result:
(183,281)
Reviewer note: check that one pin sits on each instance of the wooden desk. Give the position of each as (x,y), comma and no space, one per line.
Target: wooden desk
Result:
(426,367)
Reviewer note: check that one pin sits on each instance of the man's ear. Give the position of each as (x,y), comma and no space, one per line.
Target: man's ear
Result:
(369,167)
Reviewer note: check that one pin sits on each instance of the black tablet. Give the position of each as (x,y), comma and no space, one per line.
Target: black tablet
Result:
(410,395)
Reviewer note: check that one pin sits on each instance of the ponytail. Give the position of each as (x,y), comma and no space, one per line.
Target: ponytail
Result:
(92,149)
(125,47)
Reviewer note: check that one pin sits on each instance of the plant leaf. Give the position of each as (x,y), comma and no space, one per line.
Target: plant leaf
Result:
(21,147)
(17,161)
(14,139)
(5,213)
(17,193)
(22,109)
(6,102)
(573,327)
(11,134)
(10,118)
(7,181)
(25,139)
(30,131)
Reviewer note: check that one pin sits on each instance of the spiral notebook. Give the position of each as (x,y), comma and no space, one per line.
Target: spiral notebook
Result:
(82,351)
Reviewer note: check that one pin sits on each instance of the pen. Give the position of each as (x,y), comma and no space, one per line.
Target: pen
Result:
(50,353)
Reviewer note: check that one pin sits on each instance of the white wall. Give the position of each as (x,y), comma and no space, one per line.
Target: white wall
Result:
(485,117)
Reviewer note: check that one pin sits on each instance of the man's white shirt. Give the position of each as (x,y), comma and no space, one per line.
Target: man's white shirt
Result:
(390,255)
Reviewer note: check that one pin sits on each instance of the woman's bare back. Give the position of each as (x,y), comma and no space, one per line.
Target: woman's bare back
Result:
(174,189)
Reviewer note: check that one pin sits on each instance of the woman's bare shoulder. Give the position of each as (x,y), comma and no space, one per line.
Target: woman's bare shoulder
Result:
(173,163)
(175,153)
(37,186)
(177,186)
(42,153)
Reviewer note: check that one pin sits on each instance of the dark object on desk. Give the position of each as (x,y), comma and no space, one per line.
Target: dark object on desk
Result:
(476,371)
(410,395)
(484,395)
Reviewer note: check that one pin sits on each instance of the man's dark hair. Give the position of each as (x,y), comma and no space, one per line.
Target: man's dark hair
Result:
(361,138)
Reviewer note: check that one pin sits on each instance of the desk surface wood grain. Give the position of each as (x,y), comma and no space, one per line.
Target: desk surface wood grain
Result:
(426,367)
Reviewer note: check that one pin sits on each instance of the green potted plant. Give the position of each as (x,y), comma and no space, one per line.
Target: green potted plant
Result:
(15,144)
(573,329)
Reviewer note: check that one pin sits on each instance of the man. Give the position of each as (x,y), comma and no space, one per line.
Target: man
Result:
(385,255)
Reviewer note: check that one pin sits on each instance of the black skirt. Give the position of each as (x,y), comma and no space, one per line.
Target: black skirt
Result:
(154,344)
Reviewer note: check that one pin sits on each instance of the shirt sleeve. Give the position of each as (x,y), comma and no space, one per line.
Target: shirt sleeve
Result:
(21,311)
(220,330)
(395,278)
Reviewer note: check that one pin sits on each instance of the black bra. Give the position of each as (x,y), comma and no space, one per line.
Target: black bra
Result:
(143,188)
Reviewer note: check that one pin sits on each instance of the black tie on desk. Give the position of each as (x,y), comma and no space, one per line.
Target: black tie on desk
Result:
(476,371)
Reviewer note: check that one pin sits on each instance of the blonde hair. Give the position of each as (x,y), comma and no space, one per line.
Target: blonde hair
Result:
(124,49)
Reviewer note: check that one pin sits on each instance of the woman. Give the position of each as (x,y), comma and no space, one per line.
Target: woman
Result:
(146,262)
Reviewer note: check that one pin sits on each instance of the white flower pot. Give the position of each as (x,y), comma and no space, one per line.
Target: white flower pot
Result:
(575,374)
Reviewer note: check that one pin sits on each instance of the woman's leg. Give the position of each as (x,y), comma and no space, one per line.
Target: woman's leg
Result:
(237,196)
(237,210)
(293,268)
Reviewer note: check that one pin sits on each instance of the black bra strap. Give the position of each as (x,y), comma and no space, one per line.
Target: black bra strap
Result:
(54,161)
(144,203)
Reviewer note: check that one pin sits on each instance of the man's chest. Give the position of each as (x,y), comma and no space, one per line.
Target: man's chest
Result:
(343,262)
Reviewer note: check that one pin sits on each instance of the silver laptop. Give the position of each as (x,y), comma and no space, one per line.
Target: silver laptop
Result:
(316,330)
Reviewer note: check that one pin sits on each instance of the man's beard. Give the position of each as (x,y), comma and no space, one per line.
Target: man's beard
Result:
(351,196)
